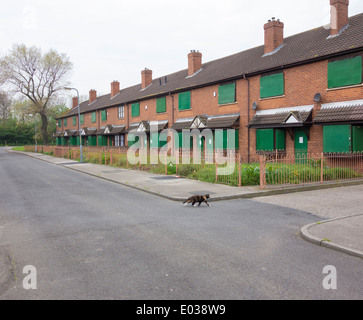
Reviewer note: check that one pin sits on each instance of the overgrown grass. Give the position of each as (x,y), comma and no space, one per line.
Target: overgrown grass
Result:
(20,148)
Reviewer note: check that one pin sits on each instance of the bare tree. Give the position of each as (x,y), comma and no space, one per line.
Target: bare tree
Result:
(37,76)
(5,106)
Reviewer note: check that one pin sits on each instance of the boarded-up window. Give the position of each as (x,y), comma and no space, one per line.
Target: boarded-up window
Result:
(226,139)
(337,138)
(102,141)
(65,122)
(270,139)
(104,115)
(345,72)
(82,118)
(184,100)
(93,116)
(227,93)
(74,120)
(272,85)
(161,105)
(135,109)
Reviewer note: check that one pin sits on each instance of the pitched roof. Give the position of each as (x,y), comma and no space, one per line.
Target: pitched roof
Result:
(346,111)
(300,48)
(279,118)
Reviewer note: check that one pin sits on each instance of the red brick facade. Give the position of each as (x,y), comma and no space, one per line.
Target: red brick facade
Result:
(302,81)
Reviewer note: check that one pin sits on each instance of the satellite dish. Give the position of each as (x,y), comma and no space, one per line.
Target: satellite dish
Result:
(254,106)
(317,97)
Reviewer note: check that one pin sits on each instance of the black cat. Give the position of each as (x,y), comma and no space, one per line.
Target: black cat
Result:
(194,199)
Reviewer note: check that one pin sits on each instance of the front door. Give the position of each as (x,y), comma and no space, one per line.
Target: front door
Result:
(301,145)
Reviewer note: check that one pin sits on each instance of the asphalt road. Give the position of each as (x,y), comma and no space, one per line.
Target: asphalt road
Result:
(93,239)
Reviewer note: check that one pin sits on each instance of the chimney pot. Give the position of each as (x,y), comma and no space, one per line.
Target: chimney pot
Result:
(146,78)
(74,102)
(338,15)
(92,96)
(115,88)
(194,62)
(274,35)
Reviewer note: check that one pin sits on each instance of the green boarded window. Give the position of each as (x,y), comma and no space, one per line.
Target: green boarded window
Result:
(226,139)
(270,139)
(93,116)
(184,100)
(337,138)
(59,141)
(264,139)
(82,118)
(272,86)
(104,115)
(59,123)
(135,109)
(102,141)
(132,139)
(227,93)
(74,120)
(65,122)
(161,105)
(280,141)
(92,140)
(345,72)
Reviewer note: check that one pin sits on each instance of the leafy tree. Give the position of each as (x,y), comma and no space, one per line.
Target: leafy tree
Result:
(37,76)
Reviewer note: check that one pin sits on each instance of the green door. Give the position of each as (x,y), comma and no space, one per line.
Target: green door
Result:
(357,138)
(301,145)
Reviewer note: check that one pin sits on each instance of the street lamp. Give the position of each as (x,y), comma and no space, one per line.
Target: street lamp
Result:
(79,123)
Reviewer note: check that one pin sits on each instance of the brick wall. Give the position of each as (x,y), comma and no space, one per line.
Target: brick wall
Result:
(301,85)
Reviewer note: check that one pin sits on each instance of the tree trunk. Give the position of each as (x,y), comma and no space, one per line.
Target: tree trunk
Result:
(44,128)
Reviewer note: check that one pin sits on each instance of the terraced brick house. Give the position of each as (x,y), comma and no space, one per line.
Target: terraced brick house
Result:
(302,93)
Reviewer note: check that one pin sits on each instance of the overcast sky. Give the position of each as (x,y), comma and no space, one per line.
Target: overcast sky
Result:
(110,40)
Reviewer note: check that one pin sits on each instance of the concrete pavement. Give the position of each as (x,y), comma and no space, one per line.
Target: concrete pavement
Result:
(343,232)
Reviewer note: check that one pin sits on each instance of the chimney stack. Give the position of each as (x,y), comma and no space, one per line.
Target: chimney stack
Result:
(92,96)
(74,102)
(338,15)
(115,88)
(194,62)
(274,35)
(146,78)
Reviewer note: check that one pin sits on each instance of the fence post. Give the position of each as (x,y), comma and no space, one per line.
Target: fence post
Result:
(262,172)
(322,168)
(216,164)
(239,170)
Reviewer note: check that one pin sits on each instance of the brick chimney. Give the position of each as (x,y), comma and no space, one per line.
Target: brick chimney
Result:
(274,35)
(74,102)
(146,78)
(92,96)
(194,62)
(338,15)
(115,88)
